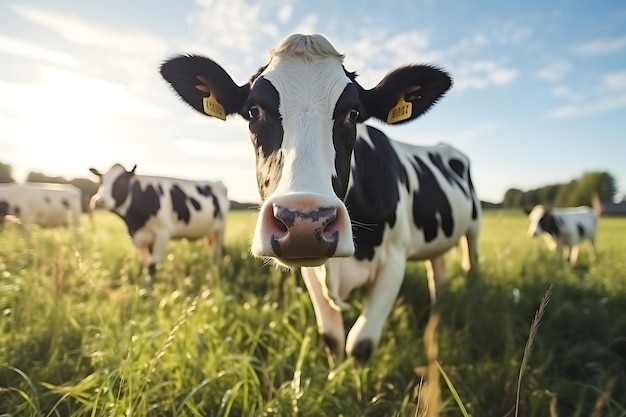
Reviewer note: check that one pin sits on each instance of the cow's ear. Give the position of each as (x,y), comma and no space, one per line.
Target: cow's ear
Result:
(95,172)
(205,85)
(527,210)
(405,93)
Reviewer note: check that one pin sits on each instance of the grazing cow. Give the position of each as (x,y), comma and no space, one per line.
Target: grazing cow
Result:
(157,209)
(566,228)
(340,199)
(43,204)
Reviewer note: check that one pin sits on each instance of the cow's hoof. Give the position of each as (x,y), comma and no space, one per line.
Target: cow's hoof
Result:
(362,351)
(331,343)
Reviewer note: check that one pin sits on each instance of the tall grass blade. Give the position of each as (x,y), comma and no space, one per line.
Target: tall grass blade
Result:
(453,390)
(534,328)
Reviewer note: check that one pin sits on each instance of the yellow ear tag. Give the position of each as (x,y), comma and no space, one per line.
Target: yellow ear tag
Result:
(213,108)
(400,111)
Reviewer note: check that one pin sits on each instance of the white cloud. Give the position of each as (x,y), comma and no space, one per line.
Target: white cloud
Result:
(615,80)
(284,13)
(602,46)
(19,47)
(593,107)
(482,74)
(308,24)
(87,33)
(554,71)
(232,25)
(566,92)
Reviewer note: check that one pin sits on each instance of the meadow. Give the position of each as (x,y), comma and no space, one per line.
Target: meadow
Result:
(79,338)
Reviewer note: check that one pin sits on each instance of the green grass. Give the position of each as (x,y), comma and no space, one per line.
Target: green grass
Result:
(78,338)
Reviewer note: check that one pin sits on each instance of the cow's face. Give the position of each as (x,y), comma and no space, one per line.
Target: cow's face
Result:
(302,109)
(541,220)
(114,187)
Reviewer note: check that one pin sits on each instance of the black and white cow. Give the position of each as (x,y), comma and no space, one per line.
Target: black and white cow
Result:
(340,199)
(565,228)
(157,209)
(43,204)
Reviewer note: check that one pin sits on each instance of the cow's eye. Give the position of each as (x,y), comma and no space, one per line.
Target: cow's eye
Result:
(253,112)
(353,115)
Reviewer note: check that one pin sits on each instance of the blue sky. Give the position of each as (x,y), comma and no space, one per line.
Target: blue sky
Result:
(539,94)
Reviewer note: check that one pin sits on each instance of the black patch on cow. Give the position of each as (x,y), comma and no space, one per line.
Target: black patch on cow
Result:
(581,230)
(373,197)
(160,189)
(66,204)
(205,190)
(179,204)
(143,205)
(4,209)
(430,201)
(266,133)
(475,201)
(121,187)
(548,224)
(195,203)
(47,199)
(449,174)
(344,137)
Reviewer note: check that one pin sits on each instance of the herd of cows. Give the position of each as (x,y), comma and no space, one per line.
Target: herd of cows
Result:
(341,200)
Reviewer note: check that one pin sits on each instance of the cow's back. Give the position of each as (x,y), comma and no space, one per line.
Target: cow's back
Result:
(186,208)
(48,205)
(419,199)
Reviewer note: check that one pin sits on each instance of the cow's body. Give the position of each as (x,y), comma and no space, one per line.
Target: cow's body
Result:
(43,204)
(157,209)
(565,228)
(340,199)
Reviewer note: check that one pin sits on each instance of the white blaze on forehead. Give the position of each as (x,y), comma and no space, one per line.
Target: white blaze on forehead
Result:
(308,74)
(534,216)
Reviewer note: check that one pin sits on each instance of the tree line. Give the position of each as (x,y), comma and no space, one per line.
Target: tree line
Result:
(577,192)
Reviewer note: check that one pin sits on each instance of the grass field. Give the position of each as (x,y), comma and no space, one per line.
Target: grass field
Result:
(77,338)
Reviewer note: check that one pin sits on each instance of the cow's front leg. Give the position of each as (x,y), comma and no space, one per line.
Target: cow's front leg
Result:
(329,319)
(437,277)
(364,336)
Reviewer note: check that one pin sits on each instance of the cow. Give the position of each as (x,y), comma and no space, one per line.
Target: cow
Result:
(340,199)
(157,209)
(565,228)
(43,204)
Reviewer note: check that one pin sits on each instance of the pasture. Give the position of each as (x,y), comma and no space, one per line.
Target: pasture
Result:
(78,338)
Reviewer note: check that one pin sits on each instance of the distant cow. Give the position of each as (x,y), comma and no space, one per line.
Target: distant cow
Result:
(43,204)
(157,209)
(340,199)
(566,228)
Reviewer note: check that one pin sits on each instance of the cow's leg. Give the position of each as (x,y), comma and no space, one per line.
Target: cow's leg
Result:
(365,334)
(216,240)
(329,320)
(469,248)
(592,250)
(154,246)
(573,254)
(437,277)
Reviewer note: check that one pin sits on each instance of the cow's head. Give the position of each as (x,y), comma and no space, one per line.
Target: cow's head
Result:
(302,108)
(541,220)
(114,189)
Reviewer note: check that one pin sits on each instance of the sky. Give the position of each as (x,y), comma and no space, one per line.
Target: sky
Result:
(539,93)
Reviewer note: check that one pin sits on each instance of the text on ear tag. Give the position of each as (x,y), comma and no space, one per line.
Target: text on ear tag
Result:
(213,108)
(400,111)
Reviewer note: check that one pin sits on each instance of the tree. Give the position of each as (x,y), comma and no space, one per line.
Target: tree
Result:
(5,173)
(513,198)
